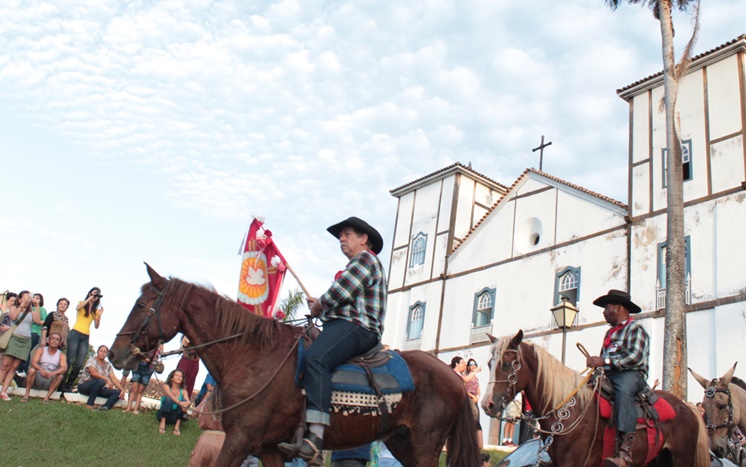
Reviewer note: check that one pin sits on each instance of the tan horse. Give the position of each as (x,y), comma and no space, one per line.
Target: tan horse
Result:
(725,408)
(577,429)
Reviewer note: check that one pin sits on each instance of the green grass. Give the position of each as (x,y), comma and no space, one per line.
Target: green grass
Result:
(61,434)
(66,434)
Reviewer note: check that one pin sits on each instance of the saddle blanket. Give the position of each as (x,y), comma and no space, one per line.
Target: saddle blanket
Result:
(654,437)
(393,377)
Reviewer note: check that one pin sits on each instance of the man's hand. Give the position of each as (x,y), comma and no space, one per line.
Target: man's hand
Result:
(594,362)
(314,306)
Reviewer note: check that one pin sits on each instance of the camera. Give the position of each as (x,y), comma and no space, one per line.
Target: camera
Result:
(97,295)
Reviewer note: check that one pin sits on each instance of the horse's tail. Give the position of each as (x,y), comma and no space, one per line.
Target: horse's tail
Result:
(463,449)
(702,452)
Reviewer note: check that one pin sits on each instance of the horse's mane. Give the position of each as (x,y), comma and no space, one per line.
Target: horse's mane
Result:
(554,381)
(232,317)
(738,382)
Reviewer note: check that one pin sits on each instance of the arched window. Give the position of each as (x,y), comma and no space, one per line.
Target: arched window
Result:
(484,306)
(419,246)
(567,284)
(415,321)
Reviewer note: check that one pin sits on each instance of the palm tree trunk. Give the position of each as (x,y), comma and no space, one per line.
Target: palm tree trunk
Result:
(674,345)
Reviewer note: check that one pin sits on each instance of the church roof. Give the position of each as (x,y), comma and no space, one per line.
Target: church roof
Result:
(444,172)
(546,175)
(698,61)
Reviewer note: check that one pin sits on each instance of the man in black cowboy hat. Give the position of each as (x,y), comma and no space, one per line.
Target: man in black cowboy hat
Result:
(624,357)
(352,311)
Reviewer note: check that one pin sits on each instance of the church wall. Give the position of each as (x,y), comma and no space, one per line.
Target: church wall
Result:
(726,160)
(641,190)
(424,221)
(577,217)
(490,244)
(404,220)
(730,225)
(524,288)
(723,97)
(690,103)
(446,203)
(399,261)
(534,220)
(640,128)
(464,211)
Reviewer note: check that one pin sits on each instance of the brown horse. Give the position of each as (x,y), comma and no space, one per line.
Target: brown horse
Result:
(253,360)
(576,428)
(725,408)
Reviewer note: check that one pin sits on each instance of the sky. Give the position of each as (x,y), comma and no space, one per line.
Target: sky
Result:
(135,131)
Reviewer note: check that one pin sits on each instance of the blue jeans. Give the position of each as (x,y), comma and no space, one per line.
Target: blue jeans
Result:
(96,388)
(338,342)
(626,386)
(77,351)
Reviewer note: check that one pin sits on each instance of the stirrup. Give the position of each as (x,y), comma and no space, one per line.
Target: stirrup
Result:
(310,450)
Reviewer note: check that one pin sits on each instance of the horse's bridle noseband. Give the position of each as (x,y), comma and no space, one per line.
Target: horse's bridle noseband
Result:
(512,378)
(710,393)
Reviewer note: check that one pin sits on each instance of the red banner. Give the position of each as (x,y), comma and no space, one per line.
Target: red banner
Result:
(262,271)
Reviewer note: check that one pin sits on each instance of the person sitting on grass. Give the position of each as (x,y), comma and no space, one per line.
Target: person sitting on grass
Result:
(99,380)
(48,366)
(173,404)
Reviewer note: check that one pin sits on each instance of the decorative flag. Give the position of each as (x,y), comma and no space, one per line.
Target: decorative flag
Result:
(262,271)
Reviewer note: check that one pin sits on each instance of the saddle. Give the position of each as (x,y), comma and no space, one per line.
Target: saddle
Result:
(370,383)
(651,411)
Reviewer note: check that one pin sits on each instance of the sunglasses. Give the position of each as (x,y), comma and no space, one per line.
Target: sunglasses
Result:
(472,364)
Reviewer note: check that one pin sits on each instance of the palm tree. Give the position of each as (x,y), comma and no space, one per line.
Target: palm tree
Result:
(674,346)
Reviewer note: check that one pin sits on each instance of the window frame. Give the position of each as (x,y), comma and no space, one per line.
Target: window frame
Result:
(686,148)
(417,256)
(476,310)
(557,280)
(661,262)
(412,308)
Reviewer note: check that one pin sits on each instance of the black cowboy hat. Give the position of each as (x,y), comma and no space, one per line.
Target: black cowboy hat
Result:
(618,297)
(375,239)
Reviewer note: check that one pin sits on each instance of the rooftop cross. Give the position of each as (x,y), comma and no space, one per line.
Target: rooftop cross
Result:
(541,151)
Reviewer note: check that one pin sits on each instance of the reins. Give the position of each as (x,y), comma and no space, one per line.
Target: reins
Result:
(257,392)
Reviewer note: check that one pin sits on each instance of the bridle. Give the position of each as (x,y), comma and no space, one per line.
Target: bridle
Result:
(153,312)
(512,378)
(728,423)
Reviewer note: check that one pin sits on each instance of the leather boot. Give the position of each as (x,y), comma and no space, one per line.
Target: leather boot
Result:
(624,454)
(309,449)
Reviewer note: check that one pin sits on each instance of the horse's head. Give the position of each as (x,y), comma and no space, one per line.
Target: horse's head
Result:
(150,323)
(718,405)
(508,376)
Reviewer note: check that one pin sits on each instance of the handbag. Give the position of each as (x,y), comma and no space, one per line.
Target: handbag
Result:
(5,338)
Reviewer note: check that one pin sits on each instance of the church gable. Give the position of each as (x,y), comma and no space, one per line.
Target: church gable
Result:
(539,212)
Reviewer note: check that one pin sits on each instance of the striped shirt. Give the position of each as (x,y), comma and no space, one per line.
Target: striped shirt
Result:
(358,295)
(629,348)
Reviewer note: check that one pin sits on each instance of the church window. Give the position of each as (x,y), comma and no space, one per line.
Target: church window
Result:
(686,160)
(415,321)
(567,284)
(419,246)
(484,306)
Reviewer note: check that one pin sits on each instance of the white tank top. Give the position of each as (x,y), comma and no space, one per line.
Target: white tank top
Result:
(24,327)
(49,360)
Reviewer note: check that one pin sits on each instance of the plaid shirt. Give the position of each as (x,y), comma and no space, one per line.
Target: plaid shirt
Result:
(358,294)
(629,349)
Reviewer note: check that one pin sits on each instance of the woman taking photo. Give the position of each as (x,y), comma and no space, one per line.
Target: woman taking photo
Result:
(20,343)
(89,311)
(173,404)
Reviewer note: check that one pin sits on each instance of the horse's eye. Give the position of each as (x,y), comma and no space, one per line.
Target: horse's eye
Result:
(140,304)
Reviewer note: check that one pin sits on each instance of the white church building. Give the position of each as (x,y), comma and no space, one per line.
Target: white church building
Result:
(471,256)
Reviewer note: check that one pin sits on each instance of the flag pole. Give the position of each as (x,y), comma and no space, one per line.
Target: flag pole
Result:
(305,291)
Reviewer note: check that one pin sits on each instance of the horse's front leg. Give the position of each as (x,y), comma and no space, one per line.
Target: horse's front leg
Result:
(236,448)
(271,457)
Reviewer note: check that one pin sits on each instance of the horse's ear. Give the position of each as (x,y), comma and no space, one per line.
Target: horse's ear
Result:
(701,380)
(155,278)
(517,339)
(492,338)
(727,376)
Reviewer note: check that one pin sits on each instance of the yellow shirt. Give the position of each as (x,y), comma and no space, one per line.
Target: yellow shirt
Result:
(83,324)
